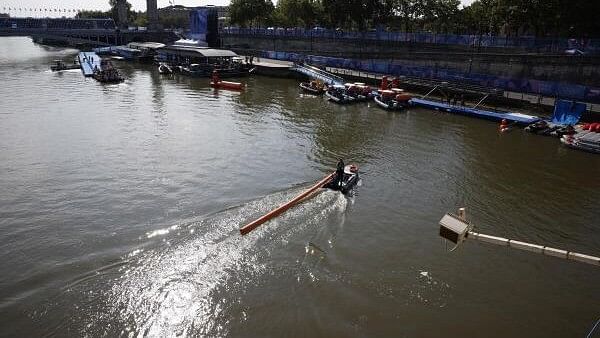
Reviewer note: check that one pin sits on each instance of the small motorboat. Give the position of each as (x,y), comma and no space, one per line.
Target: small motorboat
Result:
(356,92)
(347,182)
(337,94)
(389,100)
(216,82)
(344,184)
(108,73)
(313,87)
(227,85)
(61,65)
(589,142)
(164,68)
(108,76)
(541,128)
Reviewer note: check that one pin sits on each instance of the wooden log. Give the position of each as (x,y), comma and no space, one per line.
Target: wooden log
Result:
(282,208)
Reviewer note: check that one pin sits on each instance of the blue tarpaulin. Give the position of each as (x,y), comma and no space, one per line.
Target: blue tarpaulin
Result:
(567,112)
(199,21)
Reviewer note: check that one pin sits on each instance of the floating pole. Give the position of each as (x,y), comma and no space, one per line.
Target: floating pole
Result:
(456,229)
(481,101)
(441,84)
(282,208)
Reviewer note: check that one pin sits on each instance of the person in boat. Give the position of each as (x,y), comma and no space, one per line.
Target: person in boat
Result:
(339,173)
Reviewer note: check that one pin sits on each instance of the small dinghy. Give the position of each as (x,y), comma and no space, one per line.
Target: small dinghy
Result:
(392,100)
(227,85)
(216,82)
(344,184)
(347,182)
(355,92)
(60,65)
(338,94)
(313,87)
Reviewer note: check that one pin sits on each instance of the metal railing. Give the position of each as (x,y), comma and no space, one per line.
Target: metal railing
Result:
(540,44)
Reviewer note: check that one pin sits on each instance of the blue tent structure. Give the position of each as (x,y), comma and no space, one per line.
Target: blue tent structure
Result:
(568,112)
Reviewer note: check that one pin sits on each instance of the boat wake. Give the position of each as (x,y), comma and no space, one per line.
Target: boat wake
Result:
(173,290)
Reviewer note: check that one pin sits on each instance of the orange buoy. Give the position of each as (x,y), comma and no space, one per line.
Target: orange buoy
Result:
(504,126)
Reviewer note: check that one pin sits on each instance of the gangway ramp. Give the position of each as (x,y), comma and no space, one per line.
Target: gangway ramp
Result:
(89,61)
(318,74)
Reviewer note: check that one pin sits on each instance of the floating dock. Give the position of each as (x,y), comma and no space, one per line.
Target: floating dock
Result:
(518,118)
(89,61)
(274,68)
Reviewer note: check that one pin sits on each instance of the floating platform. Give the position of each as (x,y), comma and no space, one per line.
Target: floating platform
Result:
(583,140)
(89,61)
(274,69)
(518,118)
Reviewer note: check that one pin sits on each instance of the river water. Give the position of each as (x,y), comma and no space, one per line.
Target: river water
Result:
(120,207)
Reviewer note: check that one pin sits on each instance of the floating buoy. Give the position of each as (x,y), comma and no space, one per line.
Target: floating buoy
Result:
(504,127)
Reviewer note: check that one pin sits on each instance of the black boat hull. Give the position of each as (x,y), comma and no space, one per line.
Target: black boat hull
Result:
(347,184)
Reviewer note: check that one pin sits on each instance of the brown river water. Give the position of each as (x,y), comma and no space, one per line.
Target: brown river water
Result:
(120,207)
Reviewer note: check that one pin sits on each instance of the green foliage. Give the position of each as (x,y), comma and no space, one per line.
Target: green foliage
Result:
(131,16)
(251,12)
(296,13)
(496,17)
(139,19)
(93,15)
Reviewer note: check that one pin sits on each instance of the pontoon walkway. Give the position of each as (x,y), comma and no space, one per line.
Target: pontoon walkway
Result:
(484,114)
(89,61)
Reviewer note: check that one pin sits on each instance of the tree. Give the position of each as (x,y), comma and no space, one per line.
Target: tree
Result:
(115,14)
(293,13)
(93,15)
(253,12)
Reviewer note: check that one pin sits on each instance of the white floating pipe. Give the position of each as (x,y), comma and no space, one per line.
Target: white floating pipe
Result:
(456,229)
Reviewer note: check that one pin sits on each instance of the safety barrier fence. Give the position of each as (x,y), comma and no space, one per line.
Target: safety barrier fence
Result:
(545,44)
(61,23)
(396,68)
